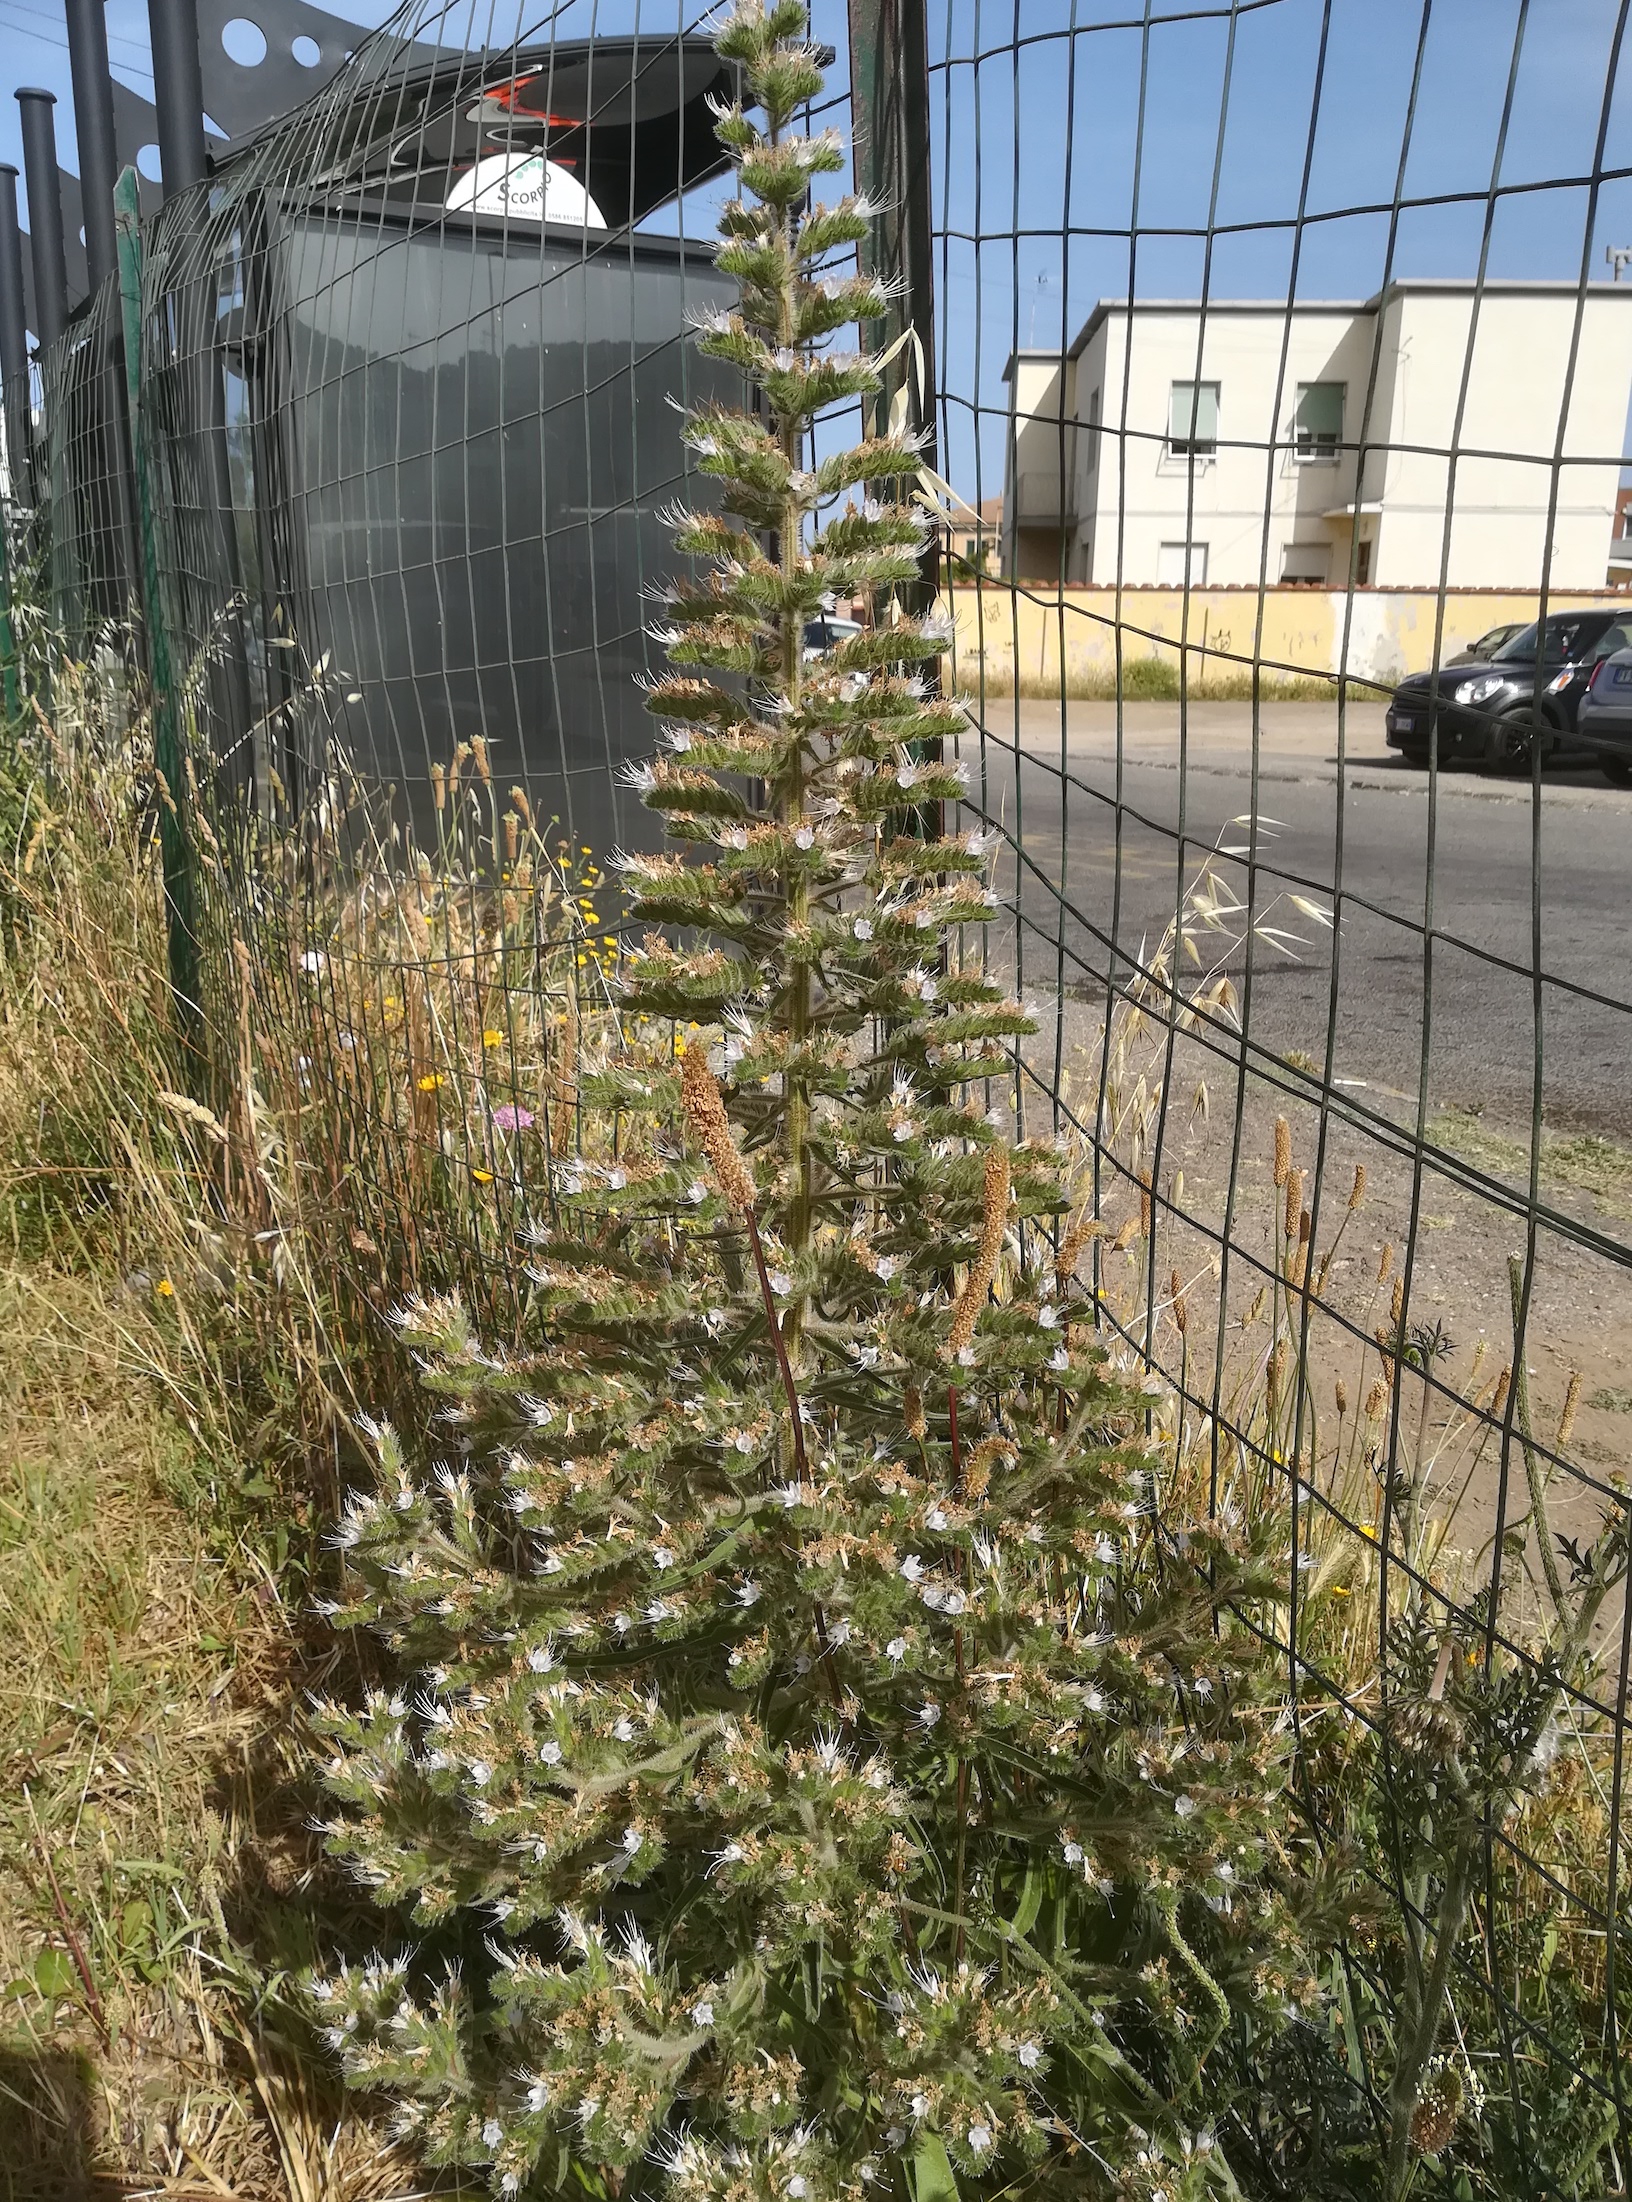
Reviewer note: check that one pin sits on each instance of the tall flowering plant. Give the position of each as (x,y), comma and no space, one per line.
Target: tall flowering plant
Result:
(830,1766)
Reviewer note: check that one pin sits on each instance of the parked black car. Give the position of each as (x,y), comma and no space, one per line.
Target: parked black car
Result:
(1604,717)
(1529,688)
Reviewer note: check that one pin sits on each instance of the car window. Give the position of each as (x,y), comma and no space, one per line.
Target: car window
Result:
(1566,636)
(1612,639)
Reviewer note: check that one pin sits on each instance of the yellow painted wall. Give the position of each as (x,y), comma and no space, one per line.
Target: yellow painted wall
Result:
(1378,635)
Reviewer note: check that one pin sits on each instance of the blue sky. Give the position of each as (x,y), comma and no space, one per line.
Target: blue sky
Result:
(1061,126)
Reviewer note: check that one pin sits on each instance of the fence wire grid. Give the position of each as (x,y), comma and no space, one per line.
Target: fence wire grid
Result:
(1340,1031)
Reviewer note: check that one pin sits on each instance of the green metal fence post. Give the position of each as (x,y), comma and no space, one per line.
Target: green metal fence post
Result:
(180,896)
(8,637)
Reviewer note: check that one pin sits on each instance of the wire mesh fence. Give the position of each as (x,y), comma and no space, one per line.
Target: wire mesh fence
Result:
(1251,390)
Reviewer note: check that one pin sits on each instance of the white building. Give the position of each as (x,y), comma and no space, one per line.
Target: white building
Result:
(1261,442)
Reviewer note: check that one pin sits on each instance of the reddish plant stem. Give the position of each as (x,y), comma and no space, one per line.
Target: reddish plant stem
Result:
(823,1641)
(774,1324)
(93,2001)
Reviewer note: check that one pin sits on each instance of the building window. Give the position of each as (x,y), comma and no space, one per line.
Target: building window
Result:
(1305,561)
(1182,565)
(1318,423)
(1192,420)
(1362,563)
(1092,458)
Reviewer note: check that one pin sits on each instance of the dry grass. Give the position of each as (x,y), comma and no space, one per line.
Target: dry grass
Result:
(170,1408)
(1153,680)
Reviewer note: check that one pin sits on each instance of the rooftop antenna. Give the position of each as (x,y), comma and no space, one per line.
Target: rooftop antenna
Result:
(1618,256)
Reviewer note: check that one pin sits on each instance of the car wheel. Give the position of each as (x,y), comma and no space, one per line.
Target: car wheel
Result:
(1617,771)
(1416,759)
(1512,735)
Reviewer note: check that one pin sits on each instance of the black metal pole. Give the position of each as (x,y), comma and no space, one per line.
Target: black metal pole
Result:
(93,124)
(178,93)
(13,336)
(44,213)
(889,98)
(98,174)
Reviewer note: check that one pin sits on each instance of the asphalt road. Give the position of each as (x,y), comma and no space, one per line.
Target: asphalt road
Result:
(1446,947)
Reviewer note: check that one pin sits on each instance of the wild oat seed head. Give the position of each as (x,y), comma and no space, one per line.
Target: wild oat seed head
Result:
(1376,1399)
(1283,1150)
(1359,1192)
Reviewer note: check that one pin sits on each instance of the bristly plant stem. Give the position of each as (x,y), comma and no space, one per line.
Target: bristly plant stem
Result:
(779,1343)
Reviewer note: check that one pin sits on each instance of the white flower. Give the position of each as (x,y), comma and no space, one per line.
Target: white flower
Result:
(863,928)
(541,1659)
(953,1602)
(912,1568)
(1059,1359)
(549,1754)
(929,1713)
(702,2014)
(480,1772)
(896,1649)
(781,1282)
(662,1556)
(1104,1551)
(1093,1700)
(1030,2055)
(838,1632)
(966,1357)
(658,1610)
(538,2094)
(798,2186)
(920,2105)
(313,961)
(894,2137)
(696,1192)
(980,2139)
(492,2133)
(1073,1854)
(935,1518)
(1048,1318)
(888,1264)
(623,1729)
(804,838)
(1184,1806)
(632,1839)
(748,1594)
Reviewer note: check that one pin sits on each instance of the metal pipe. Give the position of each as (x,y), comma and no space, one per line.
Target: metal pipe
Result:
(889,92)
(13,335)
(44,213)
(178,93)
(93,124)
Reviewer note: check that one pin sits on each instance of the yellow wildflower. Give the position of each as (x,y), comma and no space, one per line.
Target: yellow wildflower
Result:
(490,1038)
(431,1080)
(482,1177)
(165,1289)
